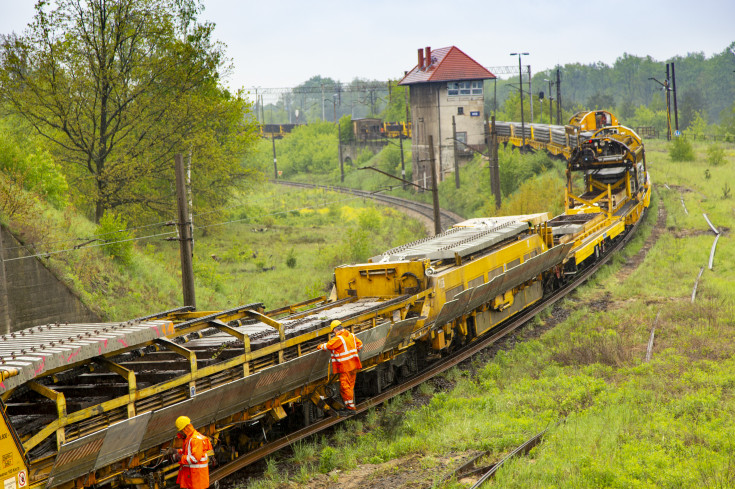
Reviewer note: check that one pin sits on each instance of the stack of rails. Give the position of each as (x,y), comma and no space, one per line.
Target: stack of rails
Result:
(555,139)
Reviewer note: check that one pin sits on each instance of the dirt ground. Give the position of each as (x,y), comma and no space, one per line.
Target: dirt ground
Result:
(412,472)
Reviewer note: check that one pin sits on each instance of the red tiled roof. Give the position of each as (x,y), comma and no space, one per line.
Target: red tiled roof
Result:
(448,64)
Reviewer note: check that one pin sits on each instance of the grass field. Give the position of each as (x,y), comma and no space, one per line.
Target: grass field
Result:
(614,419)
(276,245)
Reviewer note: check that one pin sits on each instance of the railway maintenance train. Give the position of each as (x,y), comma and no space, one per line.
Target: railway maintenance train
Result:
(94,404)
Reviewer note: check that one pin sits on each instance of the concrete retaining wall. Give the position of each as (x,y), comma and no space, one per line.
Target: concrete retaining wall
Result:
(30,294)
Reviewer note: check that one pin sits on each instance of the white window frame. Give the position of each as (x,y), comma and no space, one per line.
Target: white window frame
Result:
(464,88)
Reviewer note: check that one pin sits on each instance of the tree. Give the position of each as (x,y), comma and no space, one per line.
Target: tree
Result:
(600,101)
(119,87)
(396,109)
(690,103)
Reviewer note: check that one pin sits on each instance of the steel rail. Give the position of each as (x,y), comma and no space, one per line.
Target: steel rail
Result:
(448,218)
(459,356)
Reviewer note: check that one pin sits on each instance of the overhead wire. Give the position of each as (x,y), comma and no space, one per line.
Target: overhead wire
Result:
(143,226)
(107,243)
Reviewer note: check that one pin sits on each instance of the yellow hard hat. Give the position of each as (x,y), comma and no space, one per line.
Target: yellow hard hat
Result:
(335,323)
(182,422)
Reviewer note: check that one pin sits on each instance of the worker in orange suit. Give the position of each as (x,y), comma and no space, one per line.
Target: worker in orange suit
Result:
(344,347)
(193,458)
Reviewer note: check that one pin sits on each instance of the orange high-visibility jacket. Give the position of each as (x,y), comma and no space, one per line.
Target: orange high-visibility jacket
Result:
(194,470)
(344,347)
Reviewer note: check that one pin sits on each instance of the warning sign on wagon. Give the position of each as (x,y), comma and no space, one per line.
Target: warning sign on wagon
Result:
(22,481)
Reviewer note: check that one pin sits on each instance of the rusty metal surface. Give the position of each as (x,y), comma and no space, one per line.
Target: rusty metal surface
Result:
(453,309)
(373,341)
(299,371)
(161,425)
(122,440)
(398,333)
(204,407)
(236,395)
(77,457)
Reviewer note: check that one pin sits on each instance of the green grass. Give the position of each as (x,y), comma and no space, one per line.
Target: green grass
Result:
(277,246)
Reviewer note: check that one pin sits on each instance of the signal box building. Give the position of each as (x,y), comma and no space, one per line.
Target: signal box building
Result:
(445,84)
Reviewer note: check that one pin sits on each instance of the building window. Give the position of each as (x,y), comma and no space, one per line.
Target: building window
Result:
(462,137)
(464,88)
(460,110)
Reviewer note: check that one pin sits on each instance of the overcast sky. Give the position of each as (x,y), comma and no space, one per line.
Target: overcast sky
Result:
(281,43)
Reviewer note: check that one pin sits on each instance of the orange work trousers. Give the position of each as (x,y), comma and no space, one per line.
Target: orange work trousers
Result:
(347,388)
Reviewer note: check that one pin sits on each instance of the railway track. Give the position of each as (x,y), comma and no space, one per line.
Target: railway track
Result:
(443,365)
(105,396)
(448,218)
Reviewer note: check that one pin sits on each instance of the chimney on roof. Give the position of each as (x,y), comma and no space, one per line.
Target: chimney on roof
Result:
(428,56)
(421,59)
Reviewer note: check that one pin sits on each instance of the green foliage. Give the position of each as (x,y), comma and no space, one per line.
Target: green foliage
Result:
(396,111)
(346,131)
(24,159)
(327,460)
(646,117)
(118,241)
(698,126)
(310,149)
(291,259)
(516,168)
(115,92)
(715,155)
(681,150)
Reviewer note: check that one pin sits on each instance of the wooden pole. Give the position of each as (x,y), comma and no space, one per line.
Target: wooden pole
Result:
(4,302)
(339,143)
(434,188)
(185,238)
(456,161)
(496,164)
(403,163)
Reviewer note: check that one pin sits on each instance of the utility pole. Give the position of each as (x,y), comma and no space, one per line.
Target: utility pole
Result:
(403,164)
(456,160)
(323,116)
(339,142)
(530,92)
(668,101)
(494,165)
(4,301)
(676,108)
(558,96)
(520,88)
(434,188)
(491,142)
(275,162)
(187,268)
(405,98)
(256,106)
(665,87)
(550,99)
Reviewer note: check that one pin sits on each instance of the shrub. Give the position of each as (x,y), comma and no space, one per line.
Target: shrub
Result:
(118,241)
(291,259)
(326,460)
(715,155)
(681,150)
